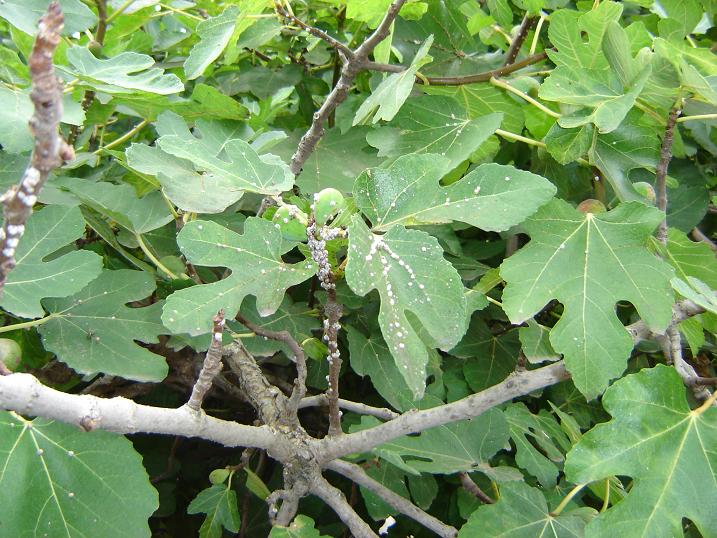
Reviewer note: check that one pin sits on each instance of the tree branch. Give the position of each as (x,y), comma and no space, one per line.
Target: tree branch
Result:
(661,171)
(49,151)
(517,384)
(394,500)
(472,488)
(25,394)
(265,398)
(212,365)
(316,32)
(355,407)
(299,390)
(352,67)
(484,76)
(525,27)
(698,235)
(336,500)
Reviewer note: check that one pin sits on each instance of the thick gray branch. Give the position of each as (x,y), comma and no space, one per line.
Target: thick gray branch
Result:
(338,503)
(517,384)
(393,499)
(24,394)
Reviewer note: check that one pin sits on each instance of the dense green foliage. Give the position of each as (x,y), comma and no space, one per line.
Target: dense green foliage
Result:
(479,225)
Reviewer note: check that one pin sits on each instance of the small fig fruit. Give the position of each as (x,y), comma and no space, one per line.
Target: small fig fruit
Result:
(591,206)
(10,353)
(219,476)
(327,204)
(646,190)
(292,222)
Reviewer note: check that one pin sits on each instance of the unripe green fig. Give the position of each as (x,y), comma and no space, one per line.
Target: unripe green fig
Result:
(292,222)
(95,47)
(327,203)
(219,476)
(591,206)
(646,190)
(10,353)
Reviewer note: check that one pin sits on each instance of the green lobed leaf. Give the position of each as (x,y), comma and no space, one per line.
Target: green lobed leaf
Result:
(408,270)
(214,34)
(689,258)
(568,145)
(696,291)
(666,448)
(490,358)
(599,92)
(388,97)
(126,73)
(121,204)
(257,269)
(15,115)
(588,262)
(33,278)
(434,124)
(24,15)
(535,340)
(229,161)
(94,331)
(371,357)
(616,154)
(566,31)
(536,450)
(522,512)
(72,482)
(493,197)
(190,190)
(482,99)
(219,503)
(335,162)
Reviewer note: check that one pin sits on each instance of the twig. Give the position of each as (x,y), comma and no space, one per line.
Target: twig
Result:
(299,390)
(525,27)
(472,488)
(698,235)
(316,32)
(661,171)
(129,134)
(703,381)
(212,364)
(49,151)
(25,394)
(332,311)
(483,76)
(393,499)
(671,344)
(355,407)
(338,503)
(352,67)
(515,91)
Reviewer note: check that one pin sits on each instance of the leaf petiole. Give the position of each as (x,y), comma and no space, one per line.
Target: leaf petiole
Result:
(569,497)
(27,324)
